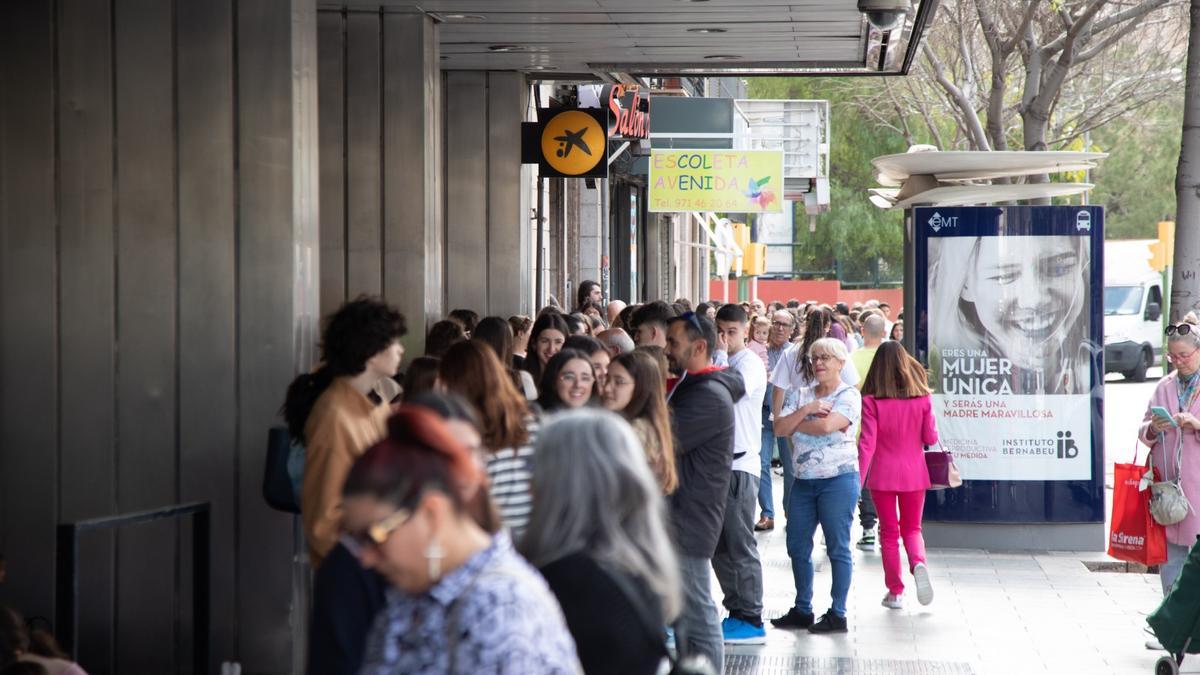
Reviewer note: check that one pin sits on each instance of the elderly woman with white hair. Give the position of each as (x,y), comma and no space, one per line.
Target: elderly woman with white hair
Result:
(598,535)
(822,422)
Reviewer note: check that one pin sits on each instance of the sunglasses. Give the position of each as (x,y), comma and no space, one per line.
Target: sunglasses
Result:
(691,317)
(1181,329)
(378,533)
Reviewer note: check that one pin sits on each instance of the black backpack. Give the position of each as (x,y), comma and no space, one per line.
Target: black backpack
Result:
(280,487)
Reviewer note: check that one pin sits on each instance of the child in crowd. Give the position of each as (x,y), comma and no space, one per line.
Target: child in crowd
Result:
(760,328)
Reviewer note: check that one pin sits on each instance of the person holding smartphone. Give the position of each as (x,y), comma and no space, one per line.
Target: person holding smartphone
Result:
(1177,395)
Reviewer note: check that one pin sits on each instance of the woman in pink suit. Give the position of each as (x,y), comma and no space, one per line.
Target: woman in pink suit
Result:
(1178,393)
(897,421)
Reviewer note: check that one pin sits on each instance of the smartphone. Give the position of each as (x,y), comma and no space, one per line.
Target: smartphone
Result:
(1159,411)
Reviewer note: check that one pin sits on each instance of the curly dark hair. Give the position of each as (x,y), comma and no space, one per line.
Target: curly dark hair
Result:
(359,330)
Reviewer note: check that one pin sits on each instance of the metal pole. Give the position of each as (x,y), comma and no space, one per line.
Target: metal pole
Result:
(540,265)
(201,583)
(66,621)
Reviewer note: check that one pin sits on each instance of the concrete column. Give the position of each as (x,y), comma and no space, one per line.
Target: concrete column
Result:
(414,238)
(466,190)
(277,265)
(508,241)
(489,245)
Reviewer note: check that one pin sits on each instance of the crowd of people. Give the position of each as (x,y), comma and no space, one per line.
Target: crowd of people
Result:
(554,493)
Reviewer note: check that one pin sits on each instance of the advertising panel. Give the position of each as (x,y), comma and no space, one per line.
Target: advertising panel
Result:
(1012,332)
(721,181)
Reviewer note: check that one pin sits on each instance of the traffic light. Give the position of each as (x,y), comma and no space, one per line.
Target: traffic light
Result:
(1162,252)
(754,260)
(741,235)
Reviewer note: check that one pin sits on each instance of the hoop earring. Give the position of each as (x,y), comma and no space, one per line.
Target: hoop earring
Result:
(434,554)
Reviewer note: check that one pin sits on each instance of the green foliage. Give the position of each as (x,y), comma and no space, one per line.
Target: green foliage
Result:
(1136,183)
(854,237)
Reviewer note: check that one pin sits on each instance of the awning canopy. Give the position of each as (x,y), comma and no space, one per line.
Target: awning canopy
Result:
(603,38)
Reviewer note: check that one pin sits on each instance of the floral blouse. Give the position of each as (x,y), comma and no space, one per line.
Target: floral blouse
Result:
(495,614)
(831,455)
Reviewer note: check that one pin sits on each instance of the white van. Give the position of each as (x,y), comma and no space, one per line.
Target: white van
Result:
(1133,331)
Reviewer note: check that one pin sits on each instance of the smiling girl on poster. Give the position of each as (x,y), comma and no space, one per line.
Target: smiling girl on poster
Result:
(1007,315)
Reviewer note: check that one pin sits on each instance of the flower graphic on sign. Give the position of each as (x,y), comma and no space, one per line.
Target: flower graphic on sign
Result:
(757,194)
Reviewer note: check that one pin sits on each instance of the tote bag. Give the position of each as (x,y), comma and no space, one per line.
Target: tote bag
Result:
(1134,536)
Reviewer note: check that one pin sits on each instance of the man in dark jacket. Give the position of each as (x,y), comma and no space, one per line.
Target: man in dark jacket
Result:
(702,401)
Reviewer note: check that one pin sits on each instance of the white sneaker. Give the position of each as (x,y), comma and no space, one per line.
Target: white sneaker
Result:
(924,586)
(1154,645)
(892,601)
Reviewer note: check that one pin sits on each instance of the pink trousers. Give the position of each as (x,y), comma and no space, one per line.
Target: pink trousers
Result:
(899,517)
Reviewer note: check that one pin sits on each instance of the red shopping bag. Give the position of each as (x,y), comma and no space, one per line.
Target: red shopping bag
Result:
(1134,535)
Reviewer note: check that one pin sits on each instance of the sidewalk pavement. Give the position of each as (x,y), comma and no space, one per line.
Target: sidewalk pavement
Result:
(993,612)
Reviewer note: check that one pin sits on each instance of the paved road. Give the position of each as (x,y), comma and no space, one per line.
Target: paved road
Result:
(1124,404)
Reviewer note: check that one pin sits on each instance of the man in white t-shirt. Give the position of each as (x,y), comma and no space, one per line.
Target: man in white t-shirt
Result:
(736,561)
(788,375)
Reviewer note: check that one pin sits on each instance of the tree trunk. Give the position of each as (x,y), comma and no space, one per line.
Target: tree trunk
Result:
(1034,130)
(1185,291)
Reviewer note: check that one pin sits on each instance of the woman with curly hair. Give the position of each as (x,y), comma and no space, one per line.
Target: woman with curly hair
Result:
(335,412)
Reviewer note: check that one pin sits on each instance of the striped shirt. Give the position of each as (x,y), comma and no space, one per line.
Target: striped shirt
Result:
(510,471)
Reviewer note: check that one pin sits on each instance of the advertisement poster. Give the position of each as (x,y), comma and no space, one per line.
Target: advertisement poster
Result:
(1012,334)
(721,181)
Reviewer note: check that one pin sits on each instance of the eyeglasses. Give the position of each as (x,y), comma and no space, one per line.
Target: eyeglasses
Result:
(1180,329)
(1176,358)
(583,379)
(821,358)
(780,324)
(379,532)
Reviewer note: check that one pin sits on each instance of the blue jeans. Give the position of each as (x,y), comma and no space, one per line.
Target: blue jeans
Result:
(769,444)
(1169,571)
(830,502)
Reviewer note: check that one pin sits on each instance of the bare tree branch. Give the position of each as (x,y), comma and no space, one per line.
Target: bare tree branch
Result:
(1026,20)
(1107,22)
(969,117)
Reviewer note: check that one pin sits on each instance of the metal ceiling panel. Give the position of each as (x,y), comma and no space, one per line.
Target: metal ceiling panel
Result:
(661,37)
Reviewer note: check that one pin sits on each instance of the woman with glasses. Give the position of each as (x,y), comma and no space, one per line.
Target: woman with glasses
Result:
(461,600)
(569,382)
(1179,393)
(822,421)
(635,388)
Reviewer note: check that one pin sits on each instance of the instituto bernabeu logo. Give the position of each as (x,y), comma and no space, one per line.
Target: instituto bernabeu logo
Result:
(937,222)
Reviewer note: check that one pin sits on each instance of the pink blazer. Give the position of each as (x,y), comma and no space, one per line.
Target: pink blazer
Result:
(891,456)
(1166,395)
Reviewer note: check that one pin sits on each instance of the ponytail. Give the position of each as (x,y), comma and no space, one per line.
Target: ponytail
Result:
(302,395)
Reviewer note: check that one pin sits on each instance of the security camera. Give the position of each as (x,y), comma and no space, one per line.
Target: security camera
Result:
(885,14)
